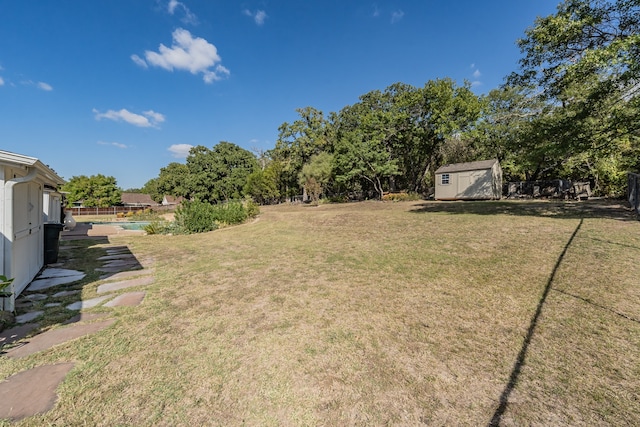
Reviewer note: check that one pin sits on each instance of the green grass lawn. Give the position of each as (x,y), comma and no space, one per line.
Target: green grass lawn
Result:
(372,314)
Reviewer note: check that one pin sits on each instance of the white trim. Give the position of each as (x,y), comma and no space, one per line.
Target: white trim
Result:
(12,159)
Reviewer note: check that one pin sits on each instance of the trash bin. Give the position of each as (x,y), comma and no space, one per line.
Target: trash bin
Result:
(52,242)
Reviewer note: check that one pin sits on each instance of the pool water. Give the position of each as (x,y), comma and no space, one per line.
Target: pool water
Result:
(131,225)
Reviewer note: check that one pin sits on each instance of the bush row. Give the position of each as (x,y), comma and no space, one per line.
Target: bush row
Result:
(199,217)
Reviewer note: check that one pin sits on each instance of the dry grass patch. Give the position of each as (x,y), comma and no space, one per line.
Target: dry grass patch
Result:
(371,314)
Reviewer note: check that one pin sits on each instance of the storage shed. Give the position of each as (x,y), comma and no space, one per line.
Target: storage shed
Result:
(480,180)
(24,181)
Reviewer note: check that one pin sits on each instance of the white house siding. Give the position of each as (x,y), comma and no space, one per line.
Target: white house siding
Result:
(22,183)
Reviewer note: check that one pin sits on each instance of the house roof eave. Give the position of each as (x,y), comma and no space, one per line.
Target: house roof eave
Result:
(13,159)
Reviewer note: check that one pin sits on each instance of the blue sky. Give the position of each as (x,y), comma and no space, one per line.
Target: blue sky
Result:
(123,88)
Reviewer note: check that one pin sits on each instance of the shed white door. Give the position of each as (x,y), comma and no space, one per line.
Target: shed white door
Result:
(466,184)
(28,243)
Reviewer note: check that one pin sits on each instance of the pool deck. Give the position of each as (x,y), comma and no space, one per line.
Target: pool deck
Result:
(89,230)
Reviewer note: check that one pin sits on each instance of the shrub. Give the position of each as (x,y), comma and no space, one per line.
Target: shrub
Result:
(252,208)
(161,227)
(230,213)
(146,215)
(200,217)
(402,196)
(195,217)
(337,199)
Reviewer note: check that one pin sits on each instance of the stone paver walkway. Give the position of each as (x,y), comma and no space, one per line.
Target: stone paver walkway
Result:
(125,284)
(130,299)
(28,317)
(33,391)
(49,279)
(88,303)
(127,274)
(57,336)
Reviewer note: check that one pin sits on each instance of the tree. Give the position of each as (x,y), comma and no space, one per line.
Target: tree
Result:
(173,180)
(316,174)
(410,125)
(379,128)
(362,158)
(262,185)
(151,188)
(585,38)
(443,110)
(585,62)
(508,131)
(94,191)
(297,142)
(220,173)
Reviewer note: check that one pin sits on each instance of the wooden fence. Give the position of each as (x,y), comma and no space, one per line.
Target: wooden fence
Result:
(114,210)
(633,191)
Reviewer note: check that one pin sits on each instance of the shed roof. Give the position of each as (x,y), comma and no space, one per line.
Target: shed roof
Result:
(468,166)
(9,158)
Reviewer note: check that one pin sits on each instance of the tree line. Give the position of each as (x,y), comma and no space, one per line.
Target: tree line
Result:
(570,111)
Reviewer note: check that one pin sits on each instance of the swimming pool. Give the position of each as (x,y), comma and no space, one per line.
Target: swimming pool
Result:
(127,225)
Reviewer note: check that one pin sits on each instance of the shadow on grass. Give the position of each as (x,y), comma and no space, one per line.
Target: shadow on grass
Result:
(517,366)
(595,304)
(64,303)
(608,209)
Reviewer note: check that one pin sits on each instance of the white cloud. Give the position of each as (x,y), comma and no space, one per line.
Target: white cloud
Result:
(147,119)
(188,16)
(40,85)
(171,7)
(195,55)
(180,151)
(1,81)
(139,61)
(155,117)
(396,16)
(44,86)
(259,16)
(476,75)
(115,144)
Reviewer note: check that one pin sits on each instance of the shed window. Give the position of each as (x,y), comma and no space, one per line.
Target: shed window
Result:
(445,179)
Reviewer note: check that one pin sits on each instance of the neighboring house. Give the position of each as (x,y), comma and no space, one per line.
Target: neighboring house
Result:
(469,181)
(171,200)
(138,200)
(23,183)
